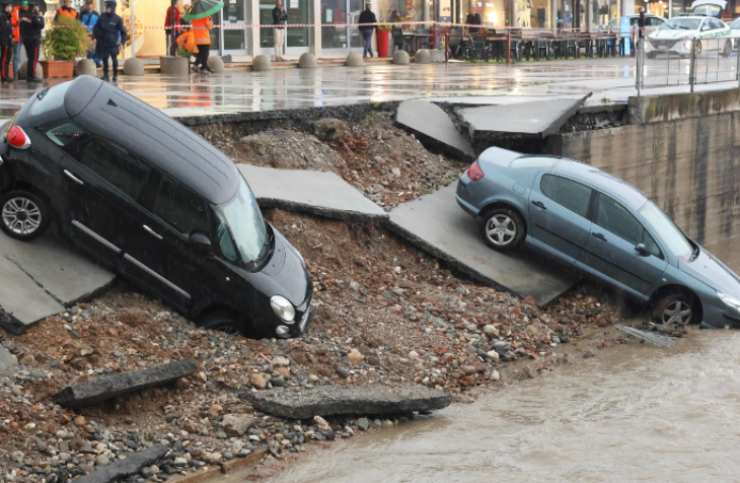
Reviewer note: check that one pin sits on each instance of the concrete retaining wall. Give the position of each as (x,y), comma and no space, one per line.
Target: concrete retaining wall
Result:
(689,167)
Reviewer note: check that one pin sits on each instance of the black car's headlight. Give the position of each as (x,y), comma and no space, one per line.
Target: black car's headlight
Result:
(283,309)
(730,301)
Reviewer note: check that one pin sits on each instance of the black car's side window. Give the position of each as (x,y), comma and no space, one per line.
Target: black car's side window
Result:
(179,207)
(614,217)
(110,161)
(574,196)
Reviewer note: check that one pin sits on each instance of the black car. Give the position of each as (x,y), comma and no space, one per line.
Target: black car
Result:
(153,201)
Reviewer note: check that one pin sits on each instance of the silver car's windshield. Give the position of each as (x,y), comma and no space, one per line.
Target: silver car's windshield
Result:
(665,228)
(242,232)
(681,24)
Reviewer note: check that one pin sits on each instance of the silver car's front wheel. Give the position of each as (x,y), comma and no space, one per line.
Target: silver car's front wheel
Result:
(677,309)
(502,228)
(24,215)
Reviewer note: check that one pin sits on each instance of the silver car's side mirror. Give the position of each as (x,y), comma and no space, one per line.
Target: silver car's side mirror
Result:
(642,250)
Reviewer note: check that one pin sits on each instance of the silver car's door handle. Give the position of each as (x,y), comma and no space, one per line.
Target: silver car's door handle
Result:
(539,205)
(74,178)
(599,236)
(152,232)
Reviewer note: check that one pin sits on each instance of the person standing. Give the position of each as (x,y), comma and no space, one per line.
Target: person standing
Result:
(15,20)
(279,19)
(396,31)
(6,40)
(32,24)
(172,22)
(202,31)
(66,10)
(109,34)
(89,17)
(367,27)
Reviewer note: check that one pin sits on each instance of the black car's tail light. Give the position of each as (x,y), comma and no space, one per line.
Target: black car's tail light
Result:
(475,173)
(17,138)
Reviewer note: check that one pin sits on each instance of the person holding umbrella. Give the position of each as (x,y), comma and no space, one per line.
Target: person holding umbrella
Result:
(109,34)
(32,24)
(200,21)
(15,20)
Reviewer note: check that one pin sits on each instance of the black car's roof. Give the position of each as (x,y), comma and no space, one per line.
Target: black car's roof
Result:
(105,110)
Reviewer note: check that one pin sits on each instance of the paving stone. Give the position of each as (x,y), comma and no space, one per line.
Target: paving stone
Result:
(437,225)
(434,126)
(314,192)
(128,466)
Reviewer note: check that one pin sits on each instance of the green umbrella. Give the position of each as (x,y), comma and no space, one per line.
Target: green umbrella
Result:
(203,9)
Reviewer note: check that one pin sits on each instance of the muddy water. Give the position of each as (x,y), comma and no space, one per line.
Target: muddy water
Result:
(635,413)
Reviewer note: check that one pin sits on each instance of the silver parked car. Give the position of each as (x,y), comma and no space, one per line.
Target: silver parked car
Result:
(602,226)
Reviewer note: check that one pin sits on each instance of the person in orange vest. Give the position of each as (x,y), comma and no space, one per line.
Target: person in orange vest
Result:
(202,31)
(66,10)
(15,21)
(6,39)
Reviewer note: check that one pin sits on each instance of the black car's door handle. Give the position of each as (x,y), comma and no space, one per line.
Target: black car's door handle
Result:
(600,236)
(539,205)
(74,178)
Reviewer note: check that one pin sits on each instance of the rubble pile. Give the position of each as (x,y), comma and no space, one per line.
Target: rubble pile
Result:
(384,314)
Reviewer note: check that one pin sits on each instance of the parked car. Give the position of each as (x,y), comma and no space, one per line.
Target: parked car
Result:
(153,201)
(708,8)
(676,36)
(629,22)
(602,226)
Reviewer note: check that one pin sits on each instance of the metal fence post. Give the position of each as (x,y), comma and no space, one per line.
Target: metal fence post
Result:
(692,65)
(737,60)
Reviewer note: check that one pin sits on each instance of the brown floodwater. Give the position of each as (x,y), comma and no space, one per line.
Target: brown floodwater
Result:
(634,413)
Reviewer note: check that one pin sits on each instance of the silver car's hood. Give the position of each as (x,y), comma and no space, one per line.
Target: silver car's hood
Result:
(710,270)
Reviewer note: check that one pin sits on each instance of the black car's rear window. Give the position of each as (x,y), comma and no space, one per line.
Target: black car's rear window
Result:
(50,99)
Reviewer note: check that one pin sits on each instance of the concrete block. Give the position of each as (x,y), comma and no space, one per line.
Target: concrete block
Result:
(174,66)
(432,124)
(129,466)
(261,63)
(314,192)
(216,64)
(39,71)
(86,67)
(354,59)
(401,57)
(133,67)
(336,400)
(104,388)
(423,56)
(436,224)
(307,61)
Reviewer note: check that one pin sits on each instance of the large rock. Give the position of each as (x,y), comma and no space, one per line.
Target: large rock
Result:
(373,399)
(86,67)
(216,64)
(126,467)
(237,424)
(307,61)
(7,361)
(133,67)
(174,66)
(401,57)
(261,63)
(432,124)
(110,386)
(39,71)
(354,59)
(423,56)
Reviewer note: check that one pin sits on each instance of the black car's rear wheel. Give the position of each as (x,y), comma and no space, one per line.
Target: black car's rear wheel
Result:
(221,320)
(502,228)
(23,215)
(677,308)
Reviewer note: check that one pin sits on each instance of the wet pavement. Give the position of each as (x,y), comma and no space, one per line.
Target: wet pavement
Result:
(635,413)
(609,80)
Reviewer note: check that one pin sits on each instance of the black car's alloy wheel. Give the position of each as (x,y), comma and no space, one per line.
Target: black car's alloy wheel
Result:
(24,215)
(221,321)
(502,228)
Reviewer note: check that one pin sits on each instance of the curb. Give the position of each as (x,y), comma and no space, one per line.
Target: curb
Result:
(204,475)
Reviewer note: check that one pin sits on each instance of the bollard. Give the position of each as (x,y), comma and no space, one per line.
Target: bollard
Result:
(85,67)
(307,61)
(133,67)
(216,64)
(354,59)
(261,63)
(176,66)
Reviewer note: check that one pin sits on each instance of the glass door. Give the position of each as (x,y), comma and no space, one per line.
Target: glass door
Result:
(298,38)
(234,27)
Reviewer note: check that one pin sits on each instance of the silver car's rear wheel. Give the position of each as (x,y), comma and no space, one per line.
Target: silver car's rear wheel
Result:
(677,309)
(502,228)
(24,215)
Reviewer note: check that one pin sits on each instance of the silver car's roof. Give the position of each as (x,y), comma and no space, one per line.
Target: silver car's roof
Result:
(602,181)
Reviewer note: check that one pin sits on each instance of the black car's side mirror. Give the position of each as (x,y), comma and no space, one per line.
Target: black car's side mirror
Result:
(642,250)
(201,242)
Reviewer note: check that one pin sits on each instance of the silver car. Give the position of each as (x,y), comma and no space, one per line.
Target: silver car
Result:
(602,226)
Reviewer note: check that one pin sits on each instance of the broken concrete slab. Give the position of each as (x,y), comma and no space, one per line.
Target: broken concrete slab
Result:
(110,386)
(8,361)
(437,225)
(536,119)
(43,276)
(434,127)
(315,192)
(658,340)
(333,400)
(126,467)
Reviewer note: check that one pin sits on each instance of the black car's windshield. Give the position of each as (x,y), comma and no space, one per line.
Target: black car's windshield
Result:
(242,233)
(676,241)
(681,24)
(49,99)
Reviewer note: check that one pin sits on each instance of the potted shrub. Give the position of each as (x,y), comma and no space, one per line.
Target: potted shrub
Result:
(63,43)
